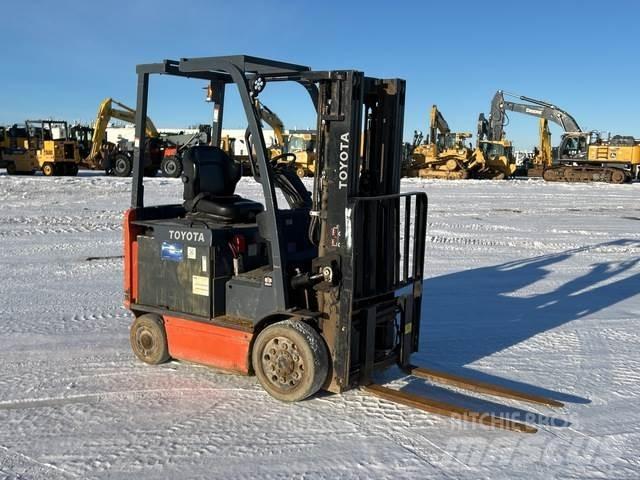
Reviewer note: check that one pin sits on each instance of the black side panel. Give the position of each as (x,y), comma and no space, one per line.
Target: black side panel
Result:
(168,278)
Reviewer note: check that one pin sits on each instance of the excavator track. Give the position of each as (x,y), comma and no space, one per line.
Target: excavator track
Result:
(586,174)
(449,410)
(433,173)
(446,409)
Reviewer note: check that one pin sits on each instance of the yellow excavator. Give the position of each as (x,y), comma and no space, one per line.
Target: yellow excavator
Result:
(46,146)
(298,147)
(117,159)
(580,156)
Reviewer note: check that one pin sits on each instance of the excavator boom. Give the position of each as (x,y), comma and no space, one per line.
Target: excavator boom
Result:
(106,112)
(271,119)
(437,124)
(538,108)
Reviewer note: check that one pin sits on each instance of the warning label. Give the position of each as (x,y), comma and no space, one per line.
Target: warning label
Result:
(200,285)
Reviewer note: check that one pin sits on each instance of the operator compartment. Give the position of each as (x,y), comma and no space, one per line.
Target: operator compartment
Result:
(186,255)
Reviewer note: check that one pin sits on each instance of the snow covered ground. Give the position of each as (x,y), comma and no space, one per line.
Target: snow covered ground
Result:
(530,285)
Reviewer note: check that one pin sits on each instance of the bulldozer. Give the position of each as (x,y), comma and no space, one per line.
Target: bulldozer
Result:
(46,146)
(493,152)
(308,290)
(446,155)
(443,154)
(580,156)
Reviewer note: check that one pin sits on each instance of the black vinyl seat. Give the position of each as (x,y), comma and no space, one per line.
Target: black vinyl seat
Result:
(210,177)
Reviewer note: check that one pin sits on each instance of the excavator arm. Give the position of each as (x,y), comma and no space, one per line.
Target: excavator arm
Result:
(106,112)
(536,108)
(437,124)
(271,119)
(544,156)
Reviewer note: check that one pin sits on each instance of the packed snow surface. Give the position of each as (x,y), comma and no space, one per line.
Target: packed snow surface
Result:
(528,284)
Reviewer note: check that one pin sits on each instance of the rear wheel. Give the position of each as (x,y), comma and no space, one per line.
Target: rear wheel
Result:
(121,165)
(48,169)
(149,339)
(171,167)
(290,360)
(11,169)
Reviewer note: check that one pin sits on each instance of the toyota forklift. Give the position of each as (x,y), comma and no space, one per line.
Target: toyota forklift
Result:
(307,290)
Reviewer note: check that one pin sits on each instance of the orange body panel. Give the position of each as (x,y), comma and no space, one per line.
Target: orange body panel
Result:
(130,257)
(208,344)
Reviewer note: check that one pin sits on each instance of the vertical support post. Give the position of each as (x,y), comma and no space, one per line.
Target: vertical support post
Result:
(406,334)
(139,144)
(370,345)
(217,89)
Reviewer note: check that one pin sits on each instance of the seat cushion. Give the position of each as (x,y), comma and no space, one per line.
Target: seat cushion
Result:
(232,209)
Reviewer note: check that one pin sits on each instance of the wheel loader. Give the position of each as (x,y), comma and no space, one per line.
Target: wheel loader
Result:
(307,290)
(47,147)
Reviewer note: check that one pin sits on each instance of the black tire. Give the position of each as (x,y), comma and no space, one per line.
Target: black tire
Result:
(48,169)
(290,360)
(122,165)
(149,339)
(73,169)
(11,168)
(171,167)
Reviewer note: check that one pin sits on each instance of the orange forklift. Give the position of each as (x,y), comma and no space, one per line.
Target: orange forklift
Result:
(307,290)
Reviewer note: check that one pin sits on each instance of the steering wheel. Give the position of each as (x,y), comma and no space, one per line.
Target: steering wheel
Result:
(277,158)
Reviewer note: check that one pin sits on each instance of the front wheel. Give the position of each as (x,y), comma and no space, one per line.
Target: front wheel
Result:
(149,339)
(122,165)
(290,360)
(48,169)
(171,167)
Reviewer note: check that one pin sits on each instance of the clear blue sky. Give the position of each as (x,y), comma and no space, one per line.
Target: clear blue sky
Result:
(59,59)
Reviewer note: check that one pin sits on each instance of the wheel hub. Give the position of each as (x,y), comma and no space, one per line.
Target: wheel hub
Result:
(121,165)
(145,341)
(282,363)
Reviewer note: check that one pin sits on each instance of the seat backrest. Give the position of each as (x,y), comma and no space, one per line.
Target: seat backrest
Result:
(208,170)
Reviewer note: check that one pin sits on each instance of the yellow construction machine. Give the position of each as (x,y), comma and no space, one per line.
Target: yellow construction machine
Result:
(446,155)
(118,159)
(495,158)
(443,154)
(580,156)
(46,146)
(542,154)
(297,147)
(303,145)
